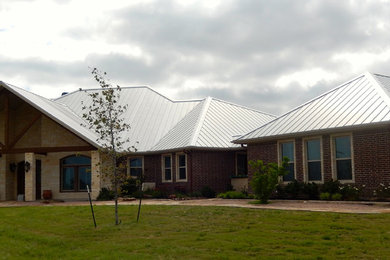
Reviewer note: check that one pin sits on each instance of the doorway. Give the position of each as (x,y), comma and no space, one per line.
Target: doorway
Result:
(38,168)
(20,178)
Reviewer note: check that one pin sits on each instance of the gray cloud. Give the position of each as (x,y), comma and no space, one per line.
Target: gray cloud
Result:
(237,53)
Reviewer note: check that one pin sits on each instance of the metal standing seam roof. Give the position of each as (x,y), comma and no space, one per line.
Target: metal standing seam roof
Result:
(212,124)
(157,123)
(149,114)
(361,101)
(57,112)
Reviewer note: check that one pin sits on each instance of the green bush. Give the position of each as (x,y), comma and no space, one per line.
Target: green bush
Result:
(311,191)
(336,196)
(293,189)
(155,193)
(331,187)
(233,195)
(129,186)
(106,194)
(266,177)
(325,196)
(383,191)
(207,192)
(350,192)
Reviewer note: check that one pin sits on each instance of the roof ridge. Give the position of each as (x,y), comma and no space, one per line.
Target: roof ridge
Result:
(244,107)
(132,87)
(200,121)
(304,104)
(379,87)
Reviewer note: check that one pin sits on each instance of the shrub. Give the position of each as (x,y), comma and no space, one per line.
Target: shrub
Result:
(129,186)
(266,177)
(180,189)
(233,195)
(195,194)
(350,192)
(383,191)
(324,196)
(311,191)
(293,189)
(106,194)
(336,196)
(331,187)
(207,192)
(156,193)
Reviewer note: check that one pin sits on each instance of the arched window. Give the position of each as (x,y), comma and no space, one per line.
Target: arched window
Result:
(75,173)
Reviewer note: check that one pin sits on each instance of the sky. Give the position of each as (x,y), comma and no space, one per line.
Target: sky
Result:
(268,55)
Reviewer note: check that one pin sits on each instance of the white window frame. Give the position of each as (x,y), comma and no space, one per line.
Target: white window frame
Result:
(306,161)
(178,168)
(163,168)
(240,153)
(333,156)
(129,168)
(279,143)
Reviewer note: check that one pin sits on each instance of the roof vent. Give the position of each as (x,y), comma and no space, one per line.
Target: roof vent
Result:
(64,93)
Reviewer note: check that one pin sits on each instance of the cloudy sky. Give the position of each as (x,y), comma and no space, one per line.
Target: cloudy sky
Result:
(269,55)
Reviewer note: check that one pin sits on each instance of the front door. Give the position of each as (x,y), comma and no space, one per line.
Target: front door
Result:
(38,179)
(20,178)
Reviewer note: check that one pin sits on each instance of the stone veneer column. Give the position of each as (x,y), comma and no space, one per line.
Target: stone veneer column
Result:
(95,174)
(30,179)
(3,180)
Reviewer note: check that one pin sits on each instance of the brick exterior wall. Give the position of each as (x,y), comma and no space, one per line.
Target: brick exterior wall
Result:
(204,168)
(371,149)
(372,157)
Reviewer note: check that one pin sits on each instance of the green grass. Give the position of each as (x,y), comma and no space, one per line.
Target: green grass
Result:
(180,232)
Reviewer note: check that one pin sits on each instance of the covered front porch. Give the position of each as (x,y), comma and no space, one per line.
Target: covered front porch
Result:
(25,176)
(34,145)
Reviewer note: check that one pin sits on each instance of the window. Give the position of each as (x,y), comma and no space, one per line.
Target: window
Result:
(181,173)
(136,166)
(241,164)
(343,158)
(75,173)
(313,160)
(167,168)
(287,150)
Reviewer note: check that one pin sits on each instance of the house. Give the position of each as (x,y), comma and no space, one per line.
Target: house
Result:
(183,145)
(343,134)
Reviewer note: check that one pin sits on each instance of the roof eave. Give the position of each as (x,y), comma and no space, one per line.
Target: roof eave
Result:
(86,139)
(313,132)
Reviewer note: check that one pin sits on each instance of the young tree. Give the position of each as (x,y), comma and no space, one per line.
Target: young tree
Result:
(105,116)
(266,178)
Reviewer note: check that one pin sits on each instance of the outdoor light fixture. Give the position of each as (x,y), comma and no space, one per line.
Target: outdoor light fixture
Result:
(12,167)
(27,166)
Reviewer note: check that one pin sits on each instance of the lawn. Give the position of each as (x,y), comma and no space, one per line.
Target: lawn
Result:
(185,232)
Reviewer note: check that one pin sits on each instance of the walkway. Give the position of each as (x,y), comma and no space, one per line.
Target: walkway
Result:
(310,205)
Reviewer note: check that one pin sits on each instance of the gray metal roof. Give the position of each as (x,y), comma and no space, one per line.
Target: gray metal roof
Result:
(149,114)
(59,113)
(212,124)
(158,123)
(361,101)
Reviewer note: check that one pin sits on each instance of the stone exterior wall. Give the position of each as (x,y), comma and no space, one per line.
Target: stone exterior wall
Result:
(44,132)
(371,156)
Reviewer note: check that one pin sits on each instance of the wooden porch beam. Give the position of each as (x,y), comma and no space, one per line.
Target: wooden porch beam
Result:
(6,120)
(49,149)
(1,90)
(23,131)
